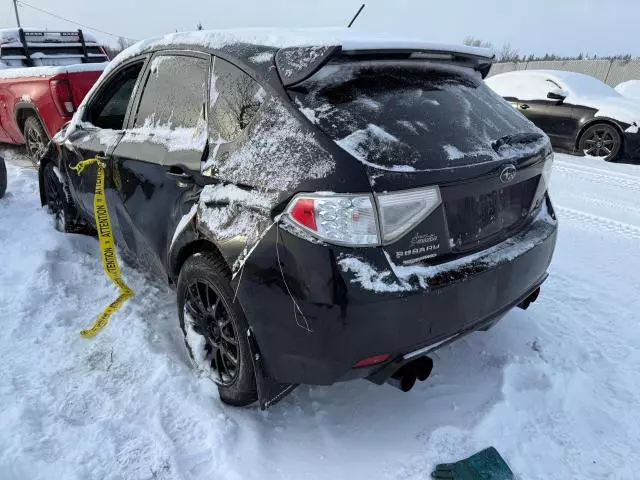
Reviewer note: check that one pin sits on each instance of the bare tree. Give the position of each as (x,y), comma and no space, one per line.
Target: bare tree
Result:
(242,99)
(199,26)
(476,42)
(508,54)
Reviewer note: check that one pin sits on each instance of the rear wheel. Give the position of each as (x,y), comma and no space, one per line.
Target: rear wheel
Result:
(601,140)
(57,201)
(36,139)
(215,328)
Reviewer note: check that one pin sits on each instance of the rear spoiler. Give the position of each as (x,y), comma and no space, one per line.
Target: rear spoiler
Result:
(296,64)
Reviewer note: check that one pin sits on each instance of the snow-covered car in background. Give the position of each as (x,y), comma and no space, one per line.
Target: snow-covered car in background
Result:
(630,89)
(329,208)
(580,113)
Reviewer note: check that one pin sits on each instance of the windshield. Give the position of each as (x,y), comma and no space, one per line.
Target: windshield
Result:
(400,117)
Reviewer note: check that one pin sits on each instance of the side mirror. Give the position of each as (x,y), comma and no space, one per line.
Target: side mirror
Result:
(558,94)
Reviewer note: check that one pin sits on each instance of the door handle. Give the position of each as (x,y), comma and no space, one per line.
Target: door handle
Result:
(524,106)
(179,175)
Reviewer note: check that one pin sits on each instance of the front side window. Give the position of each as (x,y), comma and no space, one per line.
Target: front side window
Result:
(174,95)
(110,108)
(235,100)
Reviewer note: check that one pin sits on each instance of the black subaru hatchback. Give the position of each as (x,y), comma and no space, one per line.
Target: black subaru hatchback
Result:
(328,208)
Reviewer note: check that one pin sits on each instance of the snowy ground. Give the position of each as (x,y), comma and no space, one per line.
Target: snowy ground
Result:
(554,388)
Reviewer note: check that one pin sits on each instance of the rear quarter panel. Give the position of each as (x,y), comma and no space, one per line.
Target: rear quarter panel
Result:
(34,92)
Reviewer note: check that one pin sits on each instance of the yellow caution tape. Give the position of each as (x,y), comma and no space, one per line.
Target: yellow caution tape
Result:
(107,249)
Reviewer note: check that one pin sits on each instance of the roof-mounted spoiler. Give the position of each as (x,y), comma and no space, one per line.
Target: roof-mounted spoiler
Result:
(296,64)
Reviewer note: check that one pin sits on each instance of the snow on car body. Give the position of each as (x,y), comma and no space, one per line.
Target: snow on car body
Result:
(347,227)
(630,89)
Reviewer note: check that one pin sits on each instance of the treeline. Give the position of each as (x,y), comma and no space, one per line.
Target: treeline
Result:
(509,54)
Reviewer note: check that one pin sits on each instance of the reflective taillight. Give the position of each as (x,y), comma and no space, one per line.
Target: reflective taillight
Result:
(353,220)
(341,219)
(62,96)
(546,171)
(403,211)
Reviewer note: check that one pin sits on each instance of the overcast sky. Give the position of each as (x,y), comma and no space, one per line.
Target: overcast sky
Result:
(603,27)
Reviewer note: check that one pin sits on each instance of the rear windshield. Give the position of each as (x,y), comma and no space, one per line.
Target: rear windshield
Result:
(400,117)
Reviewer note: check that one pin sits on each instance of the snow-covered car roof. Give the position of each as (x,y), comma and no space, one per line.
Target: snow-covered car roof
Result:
(630,89)
(12,36)
(579,83)
(272,40)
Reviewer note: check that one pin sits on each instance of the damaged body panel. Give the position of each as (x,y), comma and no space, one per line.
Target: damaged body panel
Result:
(327,211)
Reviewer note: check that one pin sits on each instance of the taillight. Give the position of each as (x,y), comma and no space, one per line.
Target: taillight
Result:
(546,171)
(341,219)
(62,96)
(403,211)
(353,220)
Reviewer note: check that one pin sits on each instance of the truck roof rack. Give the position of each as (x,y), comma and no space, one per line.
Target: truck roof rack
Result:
(25,46)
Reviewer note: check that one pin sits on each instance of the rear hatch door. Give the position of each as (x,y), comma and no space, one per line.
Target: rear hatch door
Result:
(414,124)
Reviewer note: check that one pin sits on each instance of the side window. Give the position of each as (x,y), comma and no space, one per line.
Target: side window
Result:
(535,88)
(174,95)
(235,100)
(110,107)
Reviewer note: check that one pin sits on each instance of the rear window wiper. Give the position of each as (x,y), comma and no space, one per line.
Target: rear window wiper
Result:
(515,139)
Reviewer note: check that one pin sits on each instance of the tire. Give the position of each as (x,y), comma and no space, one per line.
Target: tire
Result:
(3,177)
(210,319)
(57,201)
(36,140)
(601,140)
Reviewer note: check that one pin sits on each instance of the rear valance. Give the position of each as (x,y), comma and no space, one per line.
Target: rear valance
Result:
(296,64)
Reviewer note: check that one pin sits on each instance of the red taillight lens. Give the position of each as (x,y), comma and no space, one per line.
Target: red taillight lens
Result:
(61,92)
(303,211)
(372,360)
(343,219)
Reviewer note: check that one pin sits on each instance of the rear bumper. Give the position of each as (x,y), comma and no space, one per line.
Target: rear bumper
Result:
(322,308)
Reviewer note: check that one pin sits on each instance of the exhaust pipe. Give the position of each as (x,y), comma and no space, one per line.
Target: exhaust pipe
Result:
(530,299)
(405,377)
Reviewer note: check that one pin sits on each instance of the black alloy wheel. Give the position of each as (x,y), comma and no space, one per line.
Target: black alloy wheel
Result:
(602,141)
(211,320)
(36,140)
(214,327)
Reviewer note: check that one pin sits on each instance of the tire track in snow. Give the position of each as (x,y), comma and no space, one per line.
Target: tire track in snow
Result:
(601,177)
(606,203)
(604,223)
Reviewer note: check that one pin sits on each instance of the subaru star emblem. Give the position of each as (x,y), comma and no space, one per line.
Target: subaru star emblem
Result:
(508,173)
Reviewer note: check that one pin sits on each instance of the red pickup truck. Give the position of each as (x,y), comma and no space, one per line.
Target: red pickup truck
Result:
(43,78)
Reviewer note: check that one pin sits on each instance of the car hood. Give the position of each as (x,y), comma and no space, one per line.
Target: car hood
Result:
(622,109)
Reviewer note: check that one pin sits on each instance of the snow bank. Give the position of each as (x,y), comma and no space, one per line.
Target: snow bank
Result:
(555,389)
(31,72)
